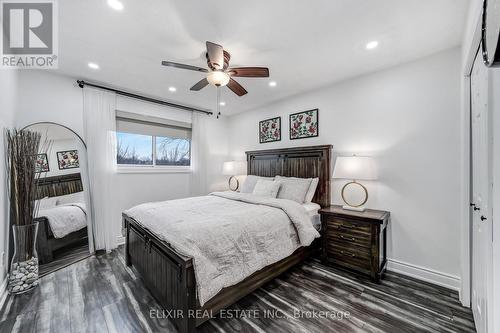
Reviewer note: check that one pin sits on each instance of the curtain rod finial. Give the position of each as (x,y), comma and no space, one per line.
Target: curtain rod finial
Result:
(81,83)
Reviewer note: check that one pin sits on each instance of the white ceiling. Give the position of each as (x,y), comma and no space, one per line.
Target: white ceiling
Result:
(305,44)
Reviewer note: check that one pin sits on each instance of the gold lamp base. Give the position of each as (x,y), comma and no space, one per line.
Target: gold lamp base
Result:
(233,183)
(351,206)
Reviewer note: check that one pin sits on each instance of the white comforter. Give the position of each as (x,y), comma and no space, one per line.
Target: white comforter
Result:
(229,235)
(66,218)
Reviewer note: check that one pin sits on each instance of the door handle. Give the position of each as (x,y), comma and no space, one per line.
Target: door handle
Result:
(483,218)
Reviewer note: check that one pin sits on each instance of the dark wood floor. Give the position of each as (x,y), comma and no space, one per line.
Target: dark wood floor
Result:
(100,294)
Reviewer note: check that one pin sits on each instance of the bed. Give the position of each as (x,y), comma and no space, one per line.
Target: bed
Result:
(60,188)
(170,276)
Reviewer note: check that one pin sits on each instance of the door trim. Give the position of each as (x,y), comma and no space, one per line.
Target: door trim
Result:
(465,158)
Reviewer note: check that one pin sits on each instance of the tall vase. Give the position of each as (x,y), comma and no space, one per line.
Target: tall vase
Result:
(24,266)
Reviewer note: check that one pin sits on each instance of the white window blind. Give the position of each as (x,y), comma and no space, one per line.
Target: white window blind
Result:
(127,122)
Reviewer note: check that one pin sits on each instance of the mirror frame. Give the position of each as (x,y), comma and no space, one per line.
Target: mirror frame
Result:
(491,58)
(91,231)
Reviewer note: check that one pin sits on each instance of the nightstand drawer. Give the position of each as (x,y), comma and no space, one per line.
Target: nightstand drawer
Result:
(349,259)
(347,239)
(348,226)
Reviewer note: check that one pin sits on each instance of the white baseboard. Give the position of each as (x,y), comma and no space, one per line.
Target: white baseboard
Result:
(424,274)
(120,240)
(3,291)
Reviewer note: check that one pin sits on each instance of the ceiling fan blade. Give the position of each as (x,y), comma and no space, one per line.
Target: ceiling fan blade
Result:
(236,87)
(183,66)
(215,54)
(249,72)
(200,85)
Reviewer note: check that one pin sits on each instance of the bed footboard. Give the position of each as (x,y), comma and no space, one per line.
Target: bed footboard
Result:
(168,276)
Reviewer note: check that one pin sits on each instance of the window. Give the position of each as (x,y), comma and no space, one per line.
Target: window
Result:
(152,142)
(134,149)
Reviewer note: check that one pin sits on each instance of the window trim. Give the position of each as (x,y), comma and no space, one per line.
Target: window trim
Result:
(138,169)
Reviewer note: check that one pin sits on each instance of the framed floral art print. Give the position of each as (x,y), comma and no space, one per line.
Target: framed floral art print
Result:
(304,124)
(68,159)
(42,163)
(270,130)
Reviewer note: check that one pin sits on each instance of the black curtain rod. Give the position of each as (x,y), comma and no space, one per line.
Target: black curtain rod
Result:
(82,84)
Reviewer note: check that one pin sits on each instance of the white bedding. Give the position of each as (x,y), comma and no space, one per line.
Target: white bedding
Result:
(311,208)
(229,235)
(65,218)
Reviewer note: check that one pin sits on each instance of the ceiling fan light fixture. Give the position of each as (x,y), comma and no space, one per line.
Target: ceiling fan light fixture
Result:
(218,78)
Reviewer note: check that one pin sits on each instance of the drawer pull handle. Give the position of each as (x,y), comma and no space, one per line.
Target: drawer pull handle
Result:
(352,239)
(347,226)
(348,254)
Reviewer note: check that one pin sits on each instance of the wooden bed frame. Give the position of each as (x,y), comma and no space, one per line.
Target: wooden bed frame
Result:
(56,186)
(170,277)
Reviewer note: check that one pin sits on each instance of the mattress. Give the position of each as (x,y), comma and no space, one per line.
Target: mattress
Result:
(312,210)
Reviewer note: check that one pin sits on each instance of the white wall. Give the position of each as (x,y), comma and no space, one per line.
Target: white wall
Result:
(8,98)
(55,98)
(408,118)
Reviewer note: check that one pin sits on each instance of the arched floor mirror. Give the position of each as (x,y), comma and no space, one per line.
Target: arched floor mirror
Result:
(64,211)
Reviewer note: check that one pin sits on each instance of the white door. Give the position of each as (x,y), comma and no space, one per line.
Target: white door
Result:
(481,187)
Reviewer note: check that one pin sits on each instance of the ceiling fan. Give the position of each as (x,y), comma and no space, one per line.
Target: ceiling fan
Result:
(219,74)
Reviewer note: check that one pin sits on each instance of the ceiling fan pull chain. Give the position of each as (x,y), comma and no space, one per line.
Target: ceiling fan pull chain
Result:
(218,102)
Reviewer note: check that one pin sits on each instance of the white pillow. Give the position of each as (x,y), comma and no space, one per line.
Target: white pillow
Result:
(312,190)
(266,188)
(70,198)
(46,203)
(250,181)
(293,188)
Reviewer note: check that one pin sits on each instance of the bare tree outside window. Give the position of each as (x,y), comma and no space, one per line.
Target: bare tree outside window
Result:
(137,149)
(173,151)
(134,149)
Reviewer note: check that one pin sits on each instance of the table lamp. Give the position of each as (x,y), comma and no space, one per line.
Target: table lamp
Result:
(354,168)
(233,169)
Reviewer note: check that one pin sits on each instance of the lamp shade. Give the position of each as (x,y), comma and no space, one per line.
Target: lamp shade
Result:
(234,168)
(355,167)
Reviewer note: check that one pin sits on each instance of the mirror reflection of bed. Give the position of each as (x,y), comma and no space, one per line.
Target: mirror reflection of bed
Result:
(62,205)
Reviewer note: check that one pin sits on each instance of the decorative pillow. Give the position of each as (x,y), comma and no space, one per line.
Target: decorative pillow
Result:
(293,188)
(46,203)
(70,198)
(312,190)
(249,183)
(266,188)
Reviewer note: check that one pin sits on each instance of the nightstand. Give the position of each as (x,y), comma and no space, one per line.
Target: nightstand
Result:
(354,240)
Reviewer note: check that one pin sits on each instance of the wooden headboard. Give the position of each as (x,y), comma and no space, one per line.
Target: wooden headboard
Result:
(59,185)
(303,162)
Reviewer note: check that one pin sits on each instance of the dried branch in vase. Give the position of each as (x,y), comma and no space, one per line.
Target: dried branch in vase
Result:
(22,148)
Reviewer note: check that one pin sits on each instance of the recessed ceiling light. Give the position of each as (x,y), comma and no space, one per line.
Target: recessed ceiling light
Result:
(93,65)
(272,84)
(172,89)
(371,45)
(115,4)
(222,103)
